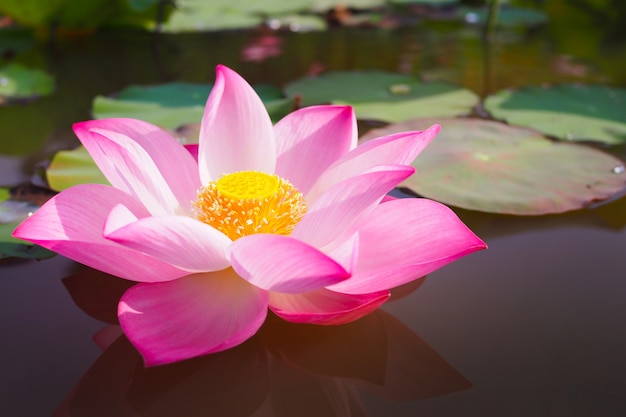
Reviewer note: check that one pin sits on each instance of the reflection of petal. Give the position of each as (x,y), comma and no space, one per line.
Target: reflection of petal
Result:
(303,394)
(355,350)
(414,370)
(97,293)
(314,370)
(106,336)
(102,391)
(407,289)
(230,383)
(377,352)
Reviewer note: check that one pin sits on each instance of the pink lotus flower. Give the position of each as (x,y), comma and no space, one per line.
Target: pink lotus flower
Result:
(292,217)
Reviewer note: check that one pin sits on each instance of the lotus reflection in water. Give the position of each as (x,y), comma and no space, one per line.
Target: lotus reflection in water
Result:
(286,369)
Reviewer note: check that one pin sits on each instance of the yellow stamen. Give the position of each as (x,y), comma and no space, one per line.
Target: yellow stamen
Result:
(248,202)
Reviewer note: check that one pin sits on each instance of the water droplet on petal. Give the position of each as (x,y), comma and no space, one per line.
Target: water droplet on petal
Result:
(619,169)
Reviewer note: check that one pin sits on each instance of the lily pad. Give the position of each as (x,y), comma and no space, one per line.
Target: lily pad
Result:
(321,6)
(15,39)
(384,96)
(18,82)
(11,215)
(570,112)
(507,16)
(425,2)
(72,167)
(492,167)
(175,104)
(166,105)
(298,23)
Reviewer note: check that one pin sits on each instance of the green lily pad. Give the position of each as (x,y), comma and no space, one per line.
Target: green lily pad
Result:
(30,12)
(321,6)
(175,104)
(200,15)
(508,16)
(492,167)
(141,5)
(425,2)
(570,112)
(11,215)
(384,96)
(14,39)
(166,105)
(298,23)
(72,167)
(18,82)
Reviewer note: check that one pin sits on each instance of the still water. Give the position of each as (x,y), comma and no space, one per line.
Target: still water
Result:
(532,326)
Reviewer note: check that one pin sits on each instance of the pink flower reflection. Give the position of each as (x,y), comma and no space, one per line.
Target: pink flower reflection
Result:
(284,370)
(262,47)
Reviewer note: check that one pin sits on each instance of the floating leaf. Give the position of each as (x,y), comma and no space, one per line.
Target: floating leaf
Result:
(507,16)
(78,14)
(200,15)
(30,12)
(570,112)
(21,250)
(489,166)
(18,82)
(297,23)
(321,6)
(15,39)
(15,211)
(11,214)
(384,96)
(174,104)
(166,105)
(425,2)
(69,168)
(140,5)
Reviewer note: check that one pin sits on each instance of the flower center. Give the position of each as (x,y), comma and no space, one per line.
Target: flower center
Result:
(249,202)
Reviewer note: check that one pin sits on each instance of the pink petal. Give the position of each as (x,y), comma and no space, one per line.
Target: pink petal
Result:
(192,148)
(143,160)
(345,252)
(309,140)
(236,132)
(180,241)
(335,212)
(119,217)
(191,316)
(396,149)
(72,222)
(325,306)
(281,263)
(405,239)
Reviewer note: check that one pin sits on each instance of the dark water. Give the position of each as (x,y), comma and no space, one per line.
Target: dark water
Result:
(532,326)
